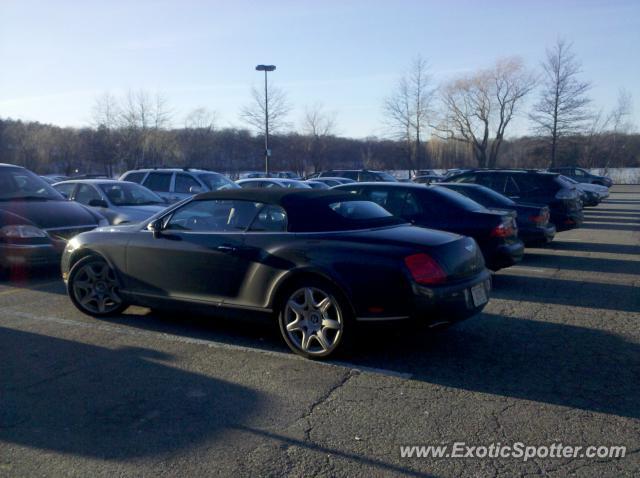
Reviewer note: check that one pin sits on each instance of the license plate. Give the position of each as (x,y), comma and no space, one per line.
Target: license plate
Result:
(479,295)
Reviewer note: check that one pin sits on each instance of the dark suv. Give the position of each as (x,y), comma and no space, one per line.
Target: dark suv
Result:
(360,175)
(527,186)
(583,176)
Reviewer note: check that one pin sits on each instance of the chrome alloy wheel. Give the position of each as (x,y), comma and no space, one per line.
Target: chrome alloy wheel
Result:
(313,321)
(95,288)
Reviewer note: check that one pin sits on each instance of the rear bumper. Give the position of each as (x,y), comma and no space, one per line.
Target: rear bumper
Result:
(30,255)
(568,220)
(442,304)
(452,303)
(538,235)
(504,255)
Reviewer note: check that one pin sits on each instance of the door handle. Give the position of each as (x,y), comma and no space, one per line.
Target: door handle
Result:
(226,248)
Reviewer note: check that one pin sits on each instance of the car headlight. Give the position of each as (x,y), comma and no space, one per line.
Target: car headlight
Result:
(103,222)
(22,231)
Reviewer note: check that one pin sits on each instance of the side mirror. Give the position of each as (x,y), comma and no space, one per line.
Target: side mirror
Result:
(195,189)
(98,203)
(155,227)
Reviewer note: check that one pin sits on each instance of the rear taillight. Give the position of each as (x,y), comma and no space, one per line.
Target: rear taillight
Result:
(540,219)
(503,230)
(424,269)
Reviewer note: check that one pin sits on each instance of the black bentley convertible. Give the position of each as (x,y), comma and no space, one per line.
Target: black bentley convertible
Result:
(319,261)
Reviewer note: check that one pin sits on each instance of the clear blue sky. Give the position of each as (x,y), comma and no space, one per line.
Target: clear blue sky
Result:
(56,57)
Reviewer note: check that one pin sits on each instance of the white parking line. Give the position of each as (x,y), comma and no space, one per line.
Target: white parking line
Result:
(207,343)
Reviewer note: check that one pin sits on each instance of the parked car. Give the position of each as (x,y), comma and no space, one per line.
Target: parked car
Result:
(355,174)
(532,219)
(320,261)
(286,175)
(329,181)
(253,175)
(316,184)
(495,232)
(425,172)
(119,201)
(565,206)
(583,176)
(175,184)
(272,183)
(35,220)
(427,179)
(53,178)
(590,194)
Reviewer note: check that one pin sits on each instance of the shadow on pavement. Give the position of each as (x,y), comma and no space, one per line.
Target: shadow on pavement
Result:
(547,290)
(593,247)
(554,261)
(42,278)
(545,362)
(605,226)
(82,399)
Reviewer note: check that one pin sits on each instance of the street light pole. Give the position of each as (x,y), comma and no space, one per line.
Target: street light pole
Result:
(267,152)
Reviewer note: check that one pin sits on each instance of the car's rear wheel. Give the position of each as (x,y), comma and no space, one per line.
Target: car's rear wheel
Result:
(313,320)
(94,288)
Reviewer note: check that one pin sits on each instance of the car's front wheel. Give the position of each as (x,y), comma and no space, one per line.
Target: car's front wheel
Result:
(94,288)
(313,320)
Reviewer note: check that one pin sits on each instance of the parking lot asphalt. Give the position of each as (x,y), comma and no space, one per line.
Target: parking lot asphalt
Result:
(554,358)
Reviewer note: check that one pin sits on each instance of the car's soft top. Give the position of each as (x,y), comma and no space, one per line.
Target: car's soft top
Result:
(308,210)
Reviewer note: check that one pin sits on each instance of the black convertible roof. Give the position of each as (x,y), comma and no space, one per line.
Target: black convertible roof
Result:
(307,209)
(280,196)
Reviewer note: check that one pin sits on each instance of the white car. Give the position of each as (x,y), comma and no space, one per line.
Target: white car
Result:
(120,202)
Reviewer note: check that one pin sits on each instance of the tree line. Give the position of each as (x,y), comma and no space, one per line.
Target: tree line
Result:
(461,123)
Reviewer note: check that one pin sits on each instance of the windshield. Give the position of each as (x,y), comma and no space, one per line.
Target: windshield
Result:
(387,176)
(19,183)
(565,180)
(457,200)
(217,181)
(482,195)
(130,194)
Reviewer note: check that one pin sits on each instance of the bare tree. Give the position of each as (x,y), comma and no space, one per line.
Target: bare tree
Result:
(606,136)
(106,112)
(408,108)
(142,117)
(479,107)
(278,105)
(562,108)
(201,119)
(317,127)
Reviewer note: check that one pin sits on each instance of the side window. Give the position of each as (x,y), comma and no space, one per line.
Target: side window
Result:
(65,189)
(252,184)
(367,176)
(158,182)
(134,177)
(86,193)
(214,216)
(511,187)
(378,196)
(184,183)
(411,206)
(349,174)
(486,180)
(270,219)
(578,172)
(469,178)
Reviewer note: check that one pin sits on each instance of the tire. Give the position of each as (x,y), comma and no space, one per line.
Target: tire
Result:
(93,287)
(316,306)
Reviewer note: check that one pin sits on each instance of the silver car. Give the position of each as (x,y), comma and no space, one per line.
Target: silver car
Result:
(272,183)
(119,202)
